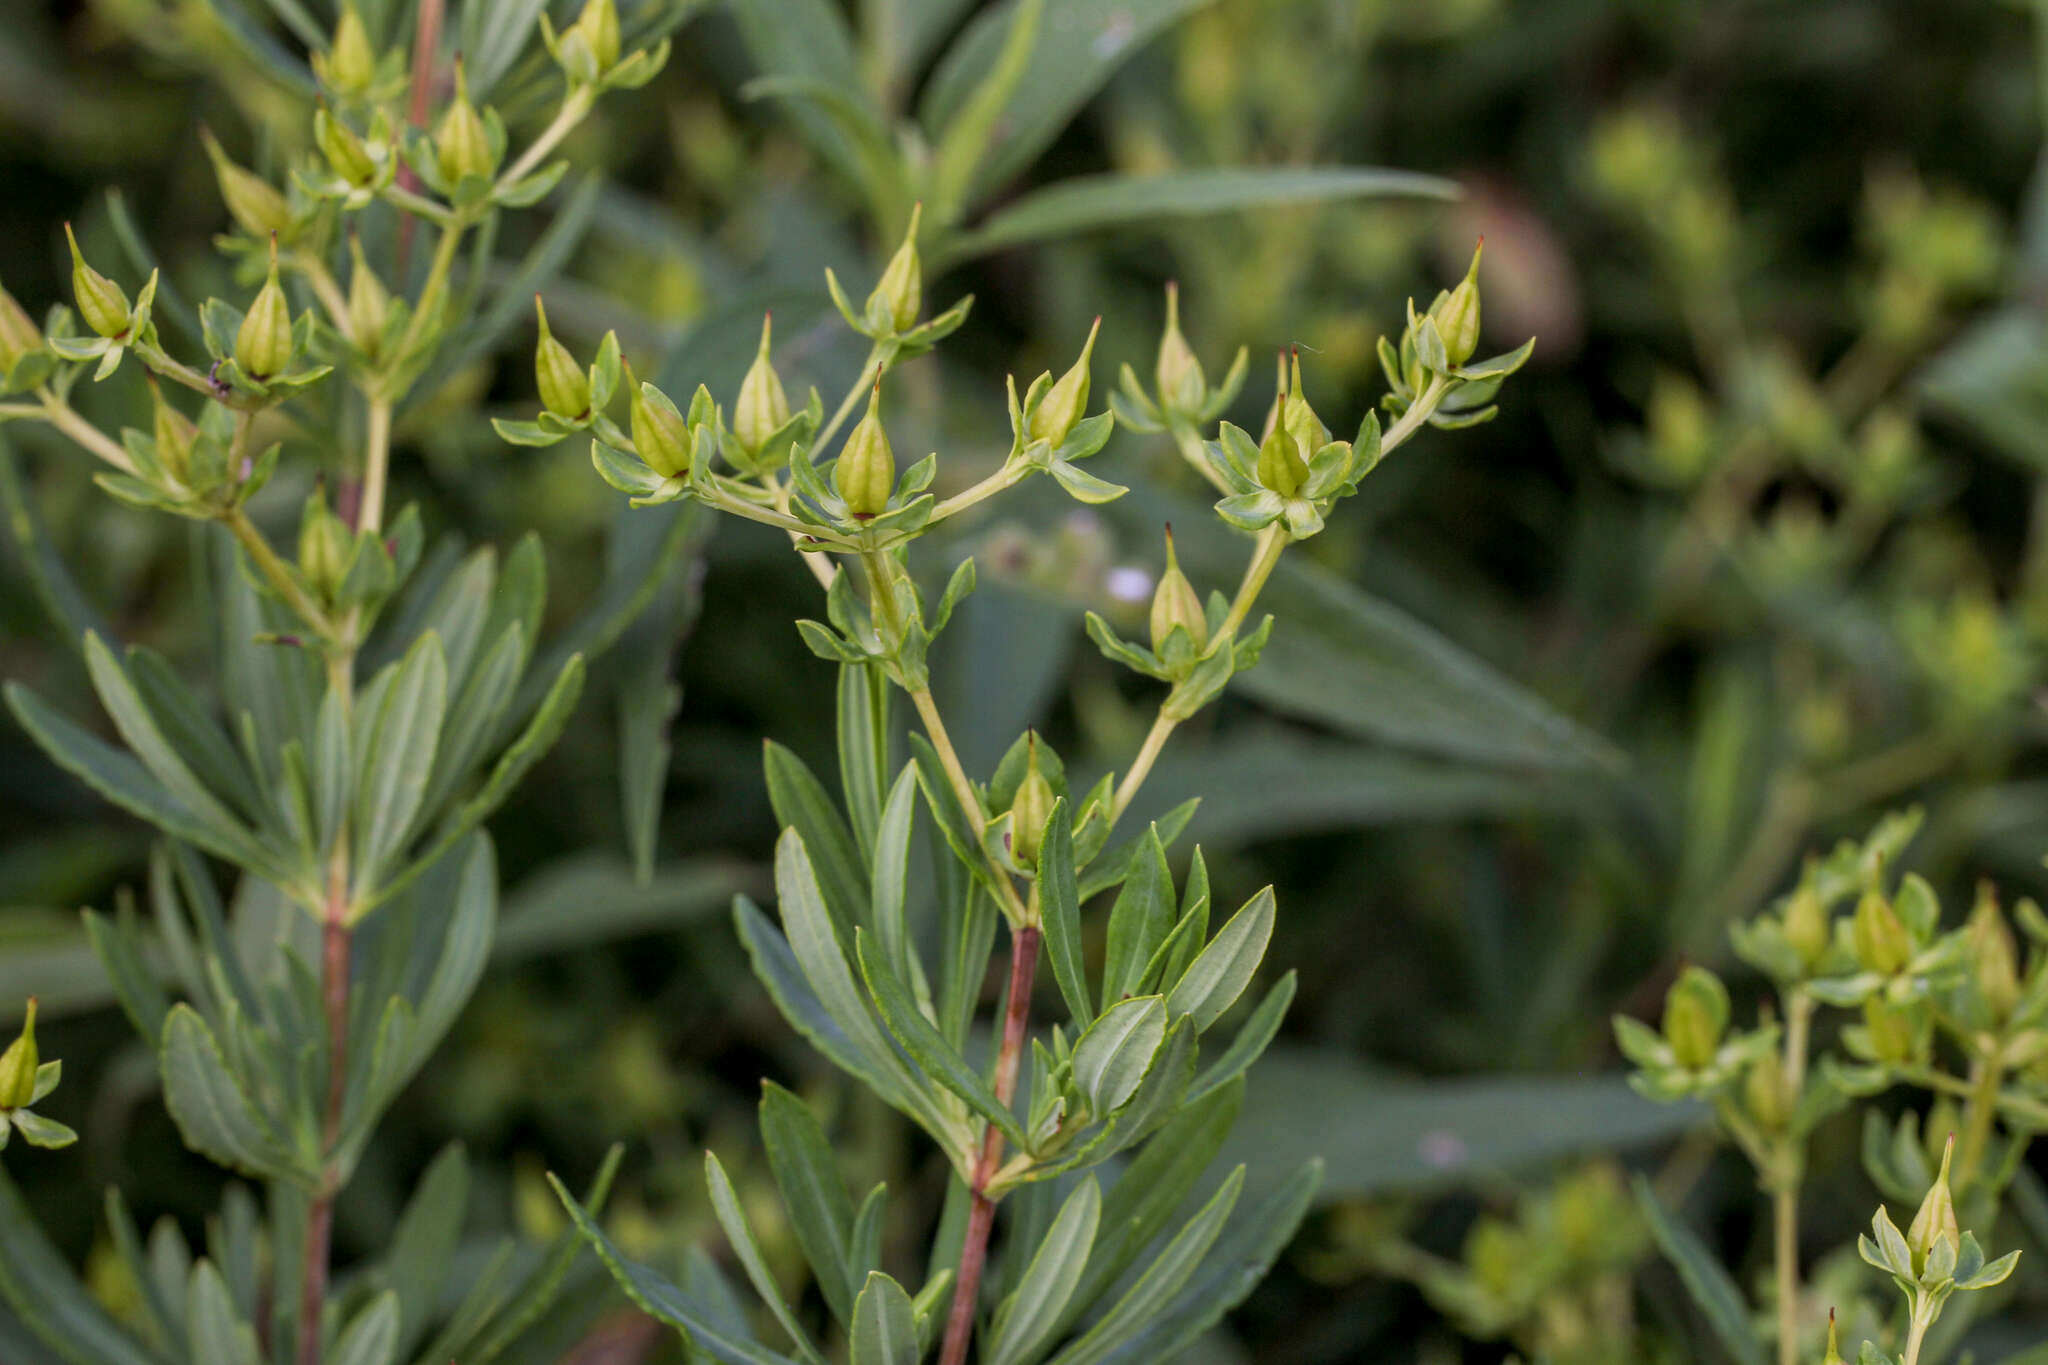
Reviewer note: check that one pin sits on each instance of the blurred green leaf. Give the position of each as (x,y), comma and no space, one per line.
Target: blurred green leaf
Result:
(1705,1279)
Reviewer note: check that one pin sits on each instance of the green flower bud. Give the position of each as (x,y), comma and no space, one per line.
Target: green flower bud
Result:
(100,301)
(762,408)
(1993,957)
(1834,1355)
(1806,925)
(350,63)
(253,202)
(1066,402)
(462,148)
(1695,1016)
(599,25)
(369,302)
(1281,467)
(1457,313)
(19,335)
(324,546)
(1936,1220)
(1302,423)
(865,473)
(1182,385)
(18,1064)
(1031,808)
(1890,1031)
(659,434)
(263,343)
(900,293)
(564,387)
(1881,939)
(345,152)
(1176,605)
(1766,1092)
(175,433)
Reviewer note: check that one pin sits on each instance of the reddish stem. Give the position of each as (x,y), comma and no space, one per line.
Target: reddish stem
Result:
(426,43)
(334,973)
(981,1215)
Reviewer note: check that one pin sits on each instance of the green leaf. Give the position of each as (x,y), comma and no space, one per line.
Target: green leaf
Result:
(214,1331)
(928,1048)
(371,1337)
(593,898)
(725,1205)
(46,1295)
(1033,1312)
(966,135)
(889,892)
(1084,203)
(801,803)
(863,747)
(777,968)
(1705,1279)
(1251,1040)
(806,1174)
(423,1244)
(884,1325)
(1152,1187)
(213,1112)
(1112,1057)
(399,756)
(807,39)
(1140,920)
(1176,1263)
(1080,45)
(536,1293)
(1060,904)
(1224,968)
(657,1296)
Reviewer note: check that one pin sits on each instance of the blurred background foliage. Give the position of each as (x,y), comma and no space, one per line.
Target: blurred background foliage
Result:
(1754,552)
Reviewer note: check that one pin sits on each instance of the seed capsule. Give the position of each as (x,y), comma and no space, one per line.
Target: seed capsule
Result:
(263,343)
(19,335)
(1936,1220)
(763,407)
(1457,315)
(865,473)
(1031,808)
(1882,941)
(369,302)
(174,433)
(345,151)
(18,1064)
(900,291)
(1182,385)
(659,434)
(1281,467)
(599,25)
(1889,1030)
(1065,403)
(100,301)
(1766,1093)
(1175,605)
(1993,957)
(462,147)
(564,387)
(350,63)
(253,202)
(1695,1016)
(324,545)
(1806,925)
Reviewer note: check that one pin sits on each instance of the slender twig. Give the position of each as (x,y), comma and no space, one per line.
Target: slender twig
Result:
(1787,1179)
(65,418)
(573,110)
(376,467)
(277,573)
(871,371)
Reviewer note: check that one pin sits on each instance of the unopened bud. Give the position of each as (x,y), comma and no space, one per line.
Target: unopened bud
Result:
(1993,956)
(599,26)
(1031,808)
(1890,1031)
(1457,314)
(1766,1092)
(1066,402)
(1175,605)
(1936,1220)
(19,335)
(350,63)
(263,343)
(344,150)
(1882,941)
(175,433)
(900,293)
(1695,1017)
(659,432)
(1302,423)
(762,408)
(462,147)
(564,387)
(369,302)
(865,473)
(324,545)
(253,202)
(100,301)
(1834,1355)
(1182,385)
(18,1064)
(1806,925)
(1281,467)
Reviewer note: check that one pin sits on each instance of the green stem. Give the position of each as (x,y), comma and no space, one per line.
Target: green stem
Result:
(967,497)
(1914,1336)
(419,206)
(376,467)
(1411,421)
(324,288)
(1987,1073)
(1189,442)
(65,418)
(1785,1194)
(880,355)
(278,574)
(431,292)
(572,112)
(160,362)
